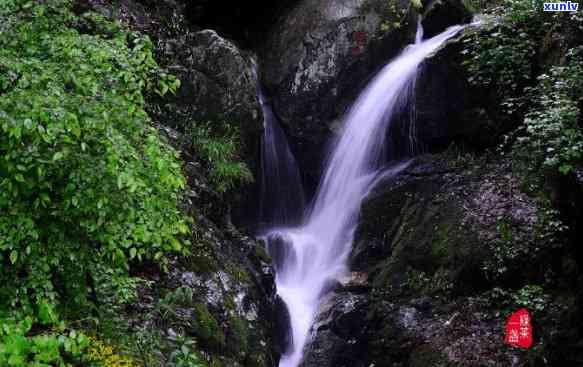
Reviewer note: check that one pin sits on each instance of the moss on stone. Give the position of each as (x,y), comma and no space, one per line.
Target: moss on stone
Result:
(256,360)
(262,254)
(206,327)
(238,335)
(237,273)
(229,302)
(417,281)
(441,241)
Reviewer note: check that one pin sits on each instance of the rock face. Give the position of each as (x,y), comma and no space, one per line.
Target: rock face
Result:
(216,75)
(222,295)
(217,80)
(322,53)
(447,108)
(318,58)
(431,245)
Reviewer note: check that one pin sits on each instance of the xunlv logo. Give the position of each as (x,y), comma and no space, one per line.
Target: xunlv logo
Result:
(562,6)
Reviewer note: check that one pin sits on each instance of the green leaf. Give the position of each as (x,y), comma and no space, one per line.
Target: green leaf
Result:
(13,256)
(57,156)
(46,313)
(176,246)
(566,168)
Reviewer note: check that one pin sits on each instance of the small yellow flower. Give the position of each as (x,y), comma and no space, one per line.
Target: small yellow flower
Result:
(106,356)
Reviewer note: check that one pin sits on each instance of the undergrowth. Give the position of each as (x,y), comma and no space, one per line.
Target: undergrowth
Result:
(86,185)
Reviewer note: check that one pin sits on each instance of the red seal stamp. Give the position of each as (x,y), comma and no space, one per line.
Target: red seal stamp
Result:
(519,329)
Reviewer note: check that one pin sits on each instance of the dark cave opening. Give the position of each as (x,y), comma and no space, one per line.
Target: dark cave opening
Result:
(247,23)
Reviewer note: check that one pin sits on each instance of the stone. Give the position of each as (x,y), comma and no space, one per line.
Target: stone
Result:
(217,81)
(318,57)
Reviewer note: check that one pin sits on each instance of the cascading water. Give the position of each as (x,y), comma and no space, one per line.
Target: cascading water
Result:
(282,197)
(308,257)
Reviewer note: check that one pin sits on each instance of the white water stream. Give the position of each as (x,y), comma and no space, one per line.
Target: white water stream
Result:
(317,251)
(282,196)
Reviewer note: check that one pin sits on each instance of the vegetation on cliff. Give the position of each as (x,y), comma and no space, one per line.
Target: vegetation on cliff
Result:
(102,261)
(87,186)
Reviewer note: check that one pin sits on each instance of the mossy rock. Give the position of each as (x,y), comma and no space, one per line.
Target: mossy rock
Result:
(238,336)
(415,228)
(206,328)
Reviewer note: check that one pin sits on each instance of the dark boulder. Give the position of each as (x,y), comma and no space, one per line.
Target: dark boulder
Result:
(447,108)
(337,333)
(440,14)
(246,22)
(283,338)
(217,81)
(416,224)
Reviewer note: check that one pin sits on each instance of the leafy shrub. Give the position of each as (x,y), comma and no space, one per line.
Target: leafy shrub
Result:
(552,138)
(219,148)
(84,181)
(19,349)
(207,328)
(503,57)
(184,357)
(115,289)
(513,251)
(532,297)
(238,335)
(499,55)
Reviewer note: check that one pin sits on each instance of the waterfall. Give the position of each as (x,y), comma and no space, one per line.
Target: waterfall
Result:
(282,197)
(309,257)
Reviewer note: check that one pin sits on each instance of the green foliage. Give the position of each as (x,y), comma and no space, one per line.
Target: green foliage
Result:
(417,280)
(505,251)
(207,328)
(115,289)
(503,58)
(167,306)
(552,138)
(532,297)
(18,348)
(498,56)
(84,181)
(238,335)
(512,250)
(184,356)
(219,148)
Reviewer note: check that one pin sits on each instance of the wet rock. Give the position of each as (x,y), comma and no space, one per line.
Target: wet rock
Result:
(446,107)
(336,333)
(281,250)
(284,340)
(354,282)
(422,242)
(217,80)
(320,55)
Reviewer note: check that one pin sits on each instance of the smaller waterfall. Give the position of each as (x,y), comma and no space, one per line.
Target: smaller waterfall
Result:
(419,34)
(282,196)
